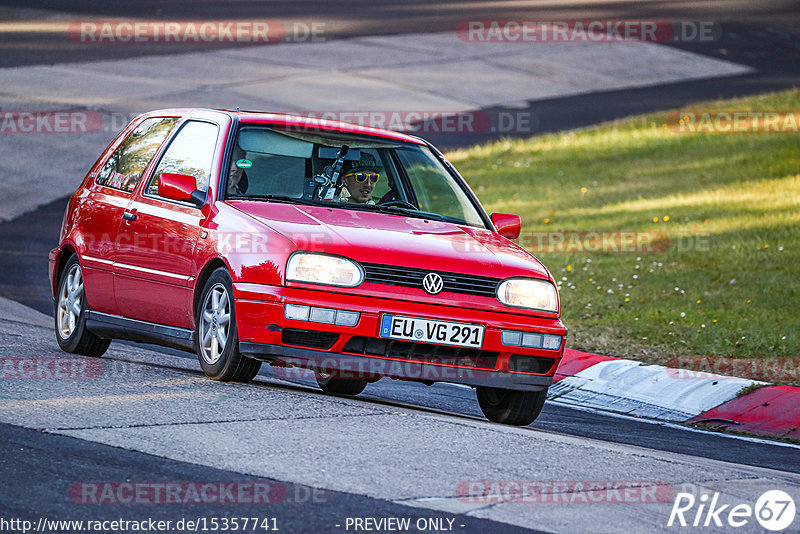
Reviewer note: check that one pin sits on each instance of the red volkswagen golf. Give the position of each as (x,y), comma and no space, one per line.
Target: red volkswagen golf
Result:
(355,252)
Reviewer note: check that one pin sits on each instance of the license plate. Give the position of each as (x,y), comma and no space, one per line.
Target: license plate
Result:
(431,331)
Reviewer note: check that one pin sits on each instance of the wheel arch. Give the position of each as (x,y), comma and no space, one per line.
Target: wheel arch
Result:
(205,273)
(67,251)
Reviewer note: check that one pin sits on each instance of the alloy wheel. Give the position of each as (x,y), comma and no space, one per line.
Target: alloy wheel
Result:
(215,323)
(70,302)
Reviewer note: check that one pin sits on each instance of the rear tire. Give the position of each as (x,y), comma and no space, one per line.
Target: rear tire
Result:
(70,314)
(217,338)
(510,407)
(329,383)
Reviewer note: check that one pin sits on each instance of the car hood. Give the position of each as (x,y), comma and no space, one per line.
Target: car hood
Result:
(372,237)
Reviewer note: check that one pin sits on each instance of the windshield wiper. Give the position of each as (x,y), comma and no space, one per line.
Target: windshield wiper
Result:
(398,210)
(394,210)
(273,198)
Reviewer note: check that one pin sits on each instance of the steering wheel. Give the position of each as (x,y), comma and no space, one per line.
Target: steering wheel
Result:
(398,203)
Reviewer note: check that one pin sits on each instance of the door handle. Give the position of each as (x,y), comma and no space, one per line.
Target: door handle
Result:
(129,216)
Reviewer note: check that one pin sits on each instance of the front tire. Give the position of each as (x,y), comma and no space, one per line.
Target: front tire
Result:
(330,383)
(217,338)
(70,314)
(510,407)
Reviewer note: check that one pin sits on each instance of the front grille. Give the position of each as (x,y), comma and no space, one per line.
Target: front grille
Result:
(410,277)
(422,352)
(521,363)
(308,338)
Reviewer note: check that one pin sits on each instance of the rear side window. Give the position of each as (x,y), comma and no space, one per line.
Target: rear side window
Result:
(191,152)
(124,168)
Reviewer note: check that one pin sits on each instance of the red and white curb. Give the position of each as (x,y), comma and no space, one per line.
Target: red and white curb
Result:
(666,394)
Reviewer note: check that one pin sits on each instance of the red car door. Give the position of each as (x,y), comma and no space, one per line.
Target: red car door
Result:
(154,267)
(102,204)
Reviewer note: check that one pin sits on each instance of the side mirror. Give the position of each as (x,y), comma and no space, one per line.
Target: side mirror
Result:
(507,225)
(180,187)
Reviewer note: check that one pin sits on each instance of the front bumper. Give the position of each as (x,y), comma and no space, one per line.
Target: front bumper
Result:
(261,326)
(351,366)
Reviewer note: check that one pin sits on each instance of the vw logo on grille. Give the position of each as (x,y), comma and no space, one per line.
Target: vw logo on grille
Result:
(432,283)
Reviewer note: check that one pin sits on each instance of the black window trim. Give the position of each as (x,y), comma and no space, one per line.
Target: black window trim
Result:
(176,131)
(232,140)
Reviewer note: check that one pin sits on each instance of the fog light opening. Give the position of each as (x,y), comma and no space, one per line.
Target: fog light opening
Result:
(299,312)
(530,340)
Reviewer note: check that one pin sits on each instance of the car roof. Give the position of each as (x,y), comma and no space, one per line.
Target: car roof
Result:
(298,121)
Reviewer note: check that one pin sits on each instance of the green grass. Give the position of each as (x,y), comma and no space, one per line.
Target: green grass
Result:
(729,283)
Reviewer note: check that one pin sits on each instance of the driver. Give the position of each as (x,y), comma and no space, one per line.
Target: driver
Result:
(360,178)
(237,177)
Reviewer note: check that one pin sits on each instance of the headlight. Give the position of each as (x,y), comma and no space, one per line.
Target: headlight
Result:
(316,268)
(528,293)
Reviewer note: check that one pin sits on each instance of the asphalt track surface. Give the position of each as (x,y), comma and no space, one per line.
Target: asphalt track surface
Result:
(764,36)
(45,492)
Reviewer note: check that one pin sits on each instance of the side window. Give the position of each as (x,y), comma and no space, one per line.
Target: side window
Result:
(435,190)
(191,152)
(124,168)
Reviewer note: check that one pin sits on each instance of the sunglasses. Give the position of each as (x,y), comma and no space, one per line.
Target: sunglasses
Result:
(361,177)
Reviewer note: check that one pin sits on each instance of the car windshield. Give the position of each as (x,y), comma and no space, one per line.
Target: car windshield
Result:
(373,174)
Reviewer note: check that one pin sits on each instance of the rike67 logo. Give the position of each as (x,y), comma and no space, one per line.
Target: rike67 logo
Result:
(774,510)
